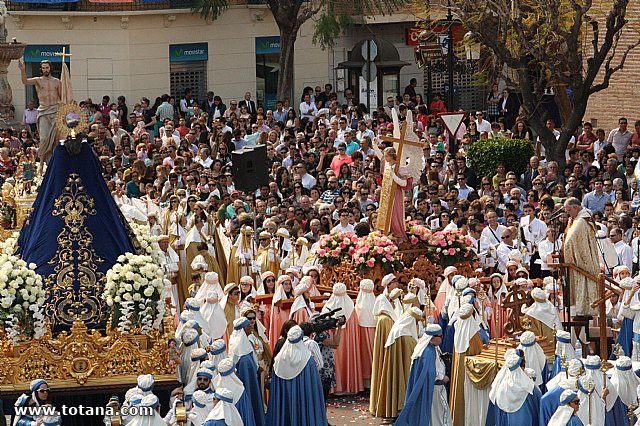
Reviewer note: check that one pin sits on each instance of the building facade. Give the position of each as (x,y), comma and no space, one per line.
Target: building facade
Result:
(145,53)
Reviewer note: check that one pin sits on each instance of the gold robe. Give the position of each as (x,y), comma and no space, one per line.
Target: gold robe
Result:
(458,373)
(580,248)
(192,252)
(383,328)
(265,264)
(230,313)
(221,257)
(235,270)
(394,378)
(540,329)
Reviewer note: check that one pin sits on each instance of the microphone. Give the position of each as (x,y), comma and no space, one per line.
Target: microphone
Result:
(556,215)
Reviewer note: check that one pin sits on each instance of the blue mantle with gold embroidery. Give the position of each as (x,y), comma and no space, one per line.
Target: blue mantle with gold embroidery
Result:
(74,234)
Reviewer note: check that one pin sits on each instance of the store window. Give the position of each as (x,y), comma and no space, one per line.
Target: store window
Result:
(267,68)
(188,69)
(33,55)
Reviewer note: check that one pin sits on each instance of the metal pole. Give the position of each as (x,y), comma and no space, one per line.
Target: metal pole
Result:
(604,353)
(450,56)
(369,75)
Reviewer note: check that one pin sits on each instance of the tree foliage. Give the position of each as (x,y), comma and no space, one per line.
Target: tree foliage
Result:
(567,45)
(484,155)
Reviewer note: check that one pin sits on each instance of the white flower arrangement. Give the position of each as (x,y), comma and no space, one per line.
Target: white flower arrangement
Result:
(135,290)
(148,242)
(22,295)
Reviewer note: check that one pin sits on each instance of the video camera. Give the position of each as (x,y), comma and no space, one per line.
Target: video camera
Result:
(328,321)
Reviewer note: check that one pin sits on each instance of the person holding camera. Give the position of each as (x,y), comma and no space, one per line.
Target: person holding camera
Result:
(348,365)
(321,344)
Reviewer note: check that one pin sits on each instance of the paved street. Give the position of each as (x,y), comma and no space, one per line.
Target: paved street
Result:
(350,410)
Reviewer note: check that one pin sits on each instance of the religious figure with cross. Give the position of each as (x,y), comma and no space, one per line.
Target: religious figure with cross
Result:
(401,167)
(51,93)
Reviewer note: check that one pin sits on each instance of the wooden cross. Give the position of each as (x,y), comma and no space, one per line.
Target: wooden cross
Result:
(401,142)
(388,189)
(64,54)
(514,301)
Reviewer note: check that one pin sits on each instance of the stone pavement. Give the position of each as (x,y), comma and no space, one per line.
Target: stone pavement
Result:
(350,410)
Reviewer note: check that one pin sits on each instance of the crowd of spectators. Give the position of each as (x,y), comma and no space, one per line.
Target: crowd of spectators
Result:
(324,173)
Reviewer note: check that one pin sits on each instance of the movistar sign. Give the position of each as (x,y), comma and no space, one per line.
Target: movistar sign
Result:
(267,45)
(40,52)
(188,52)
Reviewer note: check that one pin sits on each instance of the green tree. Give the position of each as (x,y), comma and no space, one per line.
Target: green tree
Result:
(567,45)
(330,18)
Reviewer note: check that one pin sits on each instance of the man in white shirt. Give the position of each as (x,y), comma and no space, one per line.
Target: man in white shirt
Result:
(205,159)
(550,245)
(344,225)
(463,189)
(170,132)
(493,231)
(624,252)
(307,108)
(312,345)
(507,244)
(342,129)
(307,180)
(620,138)
(482,125)
(363,131)
(280,114)
(30,116)
(480,245)
(534,231)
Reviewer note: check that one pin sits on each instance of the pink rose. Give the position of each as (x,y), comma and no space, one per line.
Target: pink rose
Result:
(351,251)
(335,253)
(452,252)
(371,263)
(380,250)
(322,252)
(414,240)
(342,245)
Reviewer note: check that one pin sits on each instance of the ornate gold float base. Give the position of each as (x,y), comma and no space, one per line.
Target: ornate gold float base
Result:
(86,359)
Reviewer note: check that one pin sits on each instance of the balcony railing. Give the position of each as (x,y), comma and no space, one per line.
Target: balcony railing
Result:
(137,5)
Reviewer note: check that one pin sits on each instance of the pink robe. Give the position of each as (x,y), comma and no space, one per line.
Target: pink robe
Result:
(438,303)
(278,317)
(348,363)
(300,316)
(497,326)
(265,316)
(367,336)
(398,221)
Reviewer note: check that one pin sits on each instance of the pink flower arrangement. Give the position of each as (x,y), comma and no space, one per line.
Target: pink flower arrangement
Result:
(376,249)
(449,247)
(418,235)
(334,248)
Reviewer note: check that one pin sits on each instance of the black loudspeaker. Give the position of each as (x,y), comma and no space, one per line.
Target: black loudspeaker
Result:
(250,168)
